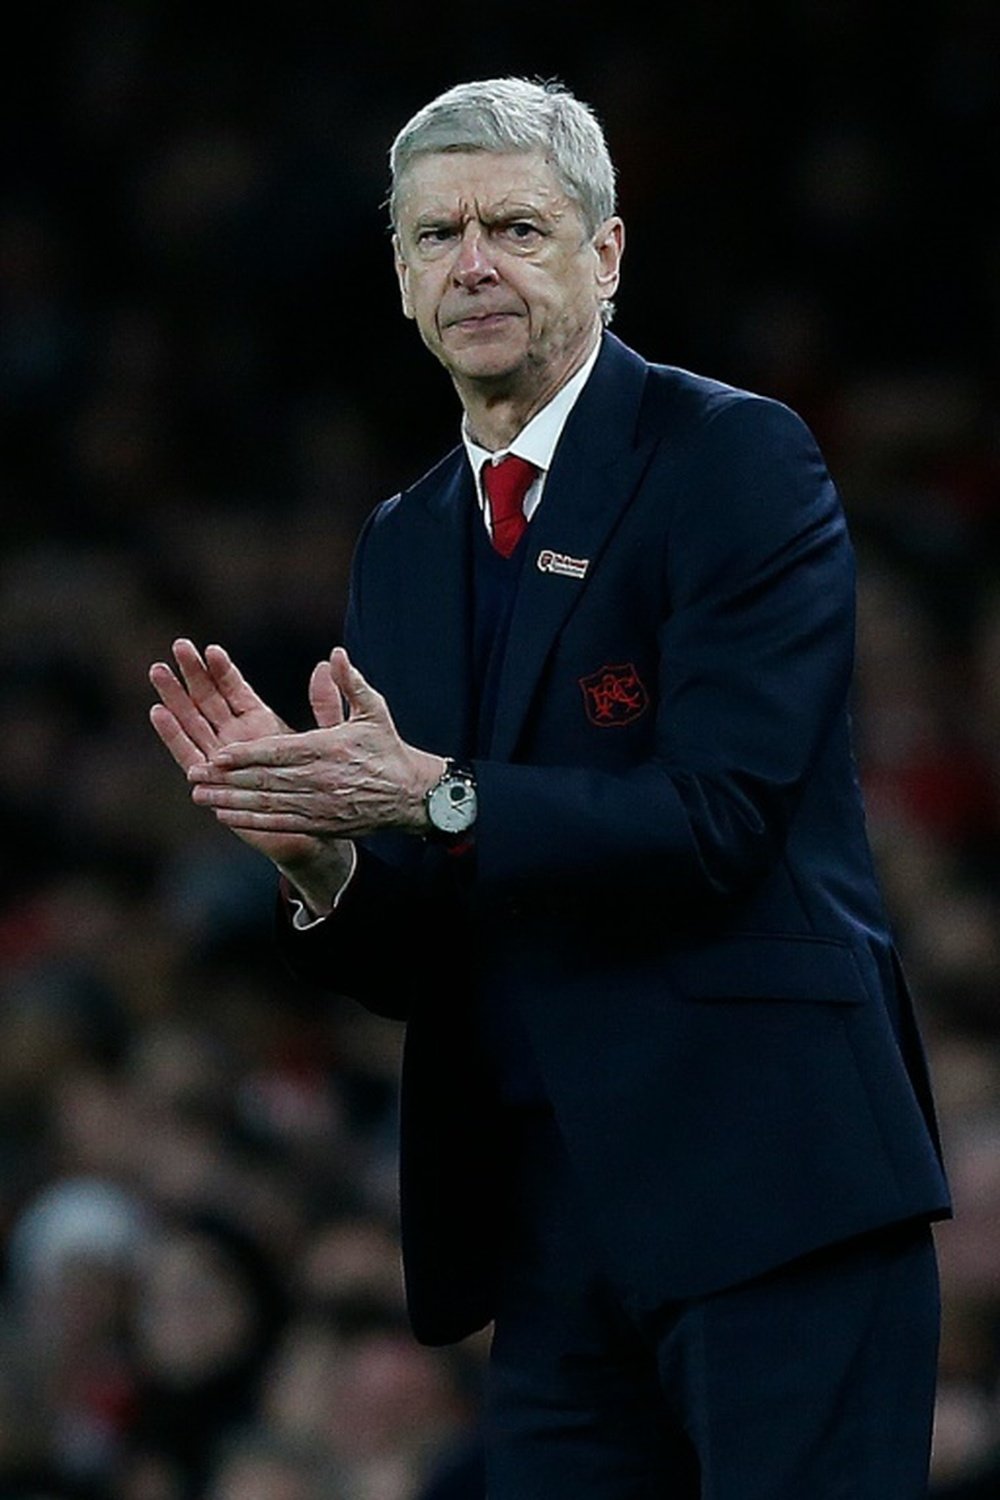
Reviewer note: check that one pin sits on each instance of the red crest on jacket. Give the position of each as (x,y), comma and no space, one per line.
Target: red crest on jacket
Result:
(614,696)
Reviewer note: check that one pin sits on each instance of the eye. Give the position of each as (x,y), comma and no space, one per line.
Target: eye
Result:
(434,235)
(521,230)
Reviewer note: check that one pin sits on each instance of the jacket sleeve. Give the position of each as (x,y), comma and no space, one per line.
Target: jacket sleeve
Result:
(374,946)
(755,657)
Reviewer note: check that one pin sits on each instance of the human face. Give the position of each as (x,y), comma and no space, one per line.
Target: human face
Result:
(498,271)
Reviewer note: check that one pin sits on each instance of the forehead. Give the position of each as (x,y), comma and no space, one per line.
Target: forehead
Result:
(479,182)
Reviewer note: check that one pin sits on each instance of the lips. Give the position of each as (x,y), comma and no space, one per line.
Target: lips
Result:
(479,318)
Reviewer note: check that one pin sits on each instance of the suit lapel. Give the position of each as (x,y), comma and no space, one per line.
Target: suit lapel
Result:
(431,694)
(593,476)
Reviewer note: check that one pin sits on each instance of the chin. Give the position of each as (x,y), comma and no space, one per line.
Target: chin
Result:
(486,364)
(484,358)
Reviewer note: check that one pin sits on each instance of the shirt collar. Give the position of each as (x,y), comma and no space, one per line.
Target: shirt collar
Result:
(537,439)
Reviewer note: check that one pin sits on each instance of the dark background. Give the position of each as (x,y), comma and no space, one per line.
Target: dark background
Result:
(205,384)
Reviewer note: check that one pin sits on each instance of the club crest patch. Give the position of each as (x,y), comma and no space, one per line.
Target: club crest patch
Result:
(614,696)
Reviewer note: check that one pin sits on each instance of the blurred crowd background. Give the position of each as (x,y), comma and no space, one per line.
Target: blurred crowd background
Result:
(205,384)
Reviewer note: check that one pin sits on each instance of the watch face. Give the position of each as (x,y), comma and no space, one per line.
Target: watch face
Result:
(451,805)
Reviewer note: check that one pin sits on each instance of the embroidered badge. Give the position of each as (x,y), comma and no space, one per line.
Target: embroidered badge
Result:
(614,696)
(558,562)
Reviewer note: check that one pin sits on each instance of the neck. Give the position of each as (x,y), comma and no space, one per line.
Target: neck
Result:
(497,410)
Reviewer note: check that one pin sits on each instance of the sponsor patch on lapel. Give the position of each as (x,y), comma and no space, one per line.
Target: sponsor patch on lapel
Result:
(614,696)
(558,562)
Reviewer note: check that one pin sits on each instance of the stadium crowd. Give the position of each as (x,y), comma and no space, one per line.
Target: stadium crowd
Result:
(205,384)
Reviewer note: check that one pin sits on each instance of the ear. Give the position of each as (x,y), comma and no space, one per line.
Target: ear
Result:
(403,276)
(609,246)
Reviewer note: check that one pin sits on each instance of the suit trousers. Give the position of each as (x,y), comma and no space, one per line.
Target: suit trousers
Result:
(813,1382)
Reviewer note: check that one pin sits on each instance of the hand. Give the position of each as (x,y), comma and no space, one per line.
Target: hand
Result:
(210,705)
(348,778)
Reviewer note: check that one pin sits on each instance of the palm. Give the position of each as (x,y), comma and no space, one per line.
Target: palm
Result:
(257,723)
(284,849)
(211,706)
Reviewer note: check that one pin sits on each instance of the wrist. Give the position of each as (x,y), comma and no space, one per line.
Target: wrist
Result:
(319,878)
(427,772)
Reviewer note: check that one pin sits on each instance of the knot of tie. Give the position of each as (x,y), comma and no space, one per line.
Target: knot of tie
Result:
(506,485)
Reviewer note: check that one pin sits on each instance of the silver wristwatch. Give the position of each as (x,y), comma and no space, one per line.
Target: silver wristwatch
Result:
(451,802)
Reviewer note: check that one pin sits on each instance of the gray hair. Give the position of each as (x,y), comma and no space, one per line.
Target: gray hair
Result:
(515,114)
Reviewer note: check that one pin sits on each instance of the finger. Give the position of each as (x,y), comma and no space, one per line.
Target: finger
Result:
(230,682)
(362,699)
(258,822)
(178,702)
(324,697)
(183,749)
(272,750)
(236,799)
(199,683)
(257,778)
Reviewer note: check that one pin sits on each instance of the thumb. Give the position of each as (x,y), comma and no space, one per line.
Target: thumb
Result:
(324,697)
(362,699)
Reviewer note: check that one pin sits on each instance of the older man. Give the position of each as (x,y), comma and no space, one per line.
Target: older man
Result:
(666,1121)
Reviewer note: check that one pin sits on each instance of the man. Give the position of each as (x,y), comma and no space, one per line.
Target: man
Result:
(665,1119)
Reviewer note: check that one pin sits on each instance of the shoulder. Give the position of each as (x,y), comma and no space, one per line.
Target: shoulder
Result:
(688,412)
(742,471)
(708,412)
(432,490)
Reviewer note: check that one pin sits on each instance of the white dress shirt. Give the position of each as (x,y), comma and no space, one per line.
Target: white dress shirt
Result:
(536,441)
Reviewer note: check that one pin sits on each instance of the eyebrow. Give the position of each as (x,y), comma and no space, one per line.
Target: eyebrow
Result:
(500,215)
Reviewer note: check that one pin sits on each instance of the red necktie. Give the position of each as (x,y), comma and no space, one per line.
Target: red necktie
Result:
(506,485)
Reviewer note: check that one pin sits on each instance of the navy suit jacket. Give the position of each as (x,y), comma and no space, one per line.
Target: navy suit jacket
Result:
(671,878)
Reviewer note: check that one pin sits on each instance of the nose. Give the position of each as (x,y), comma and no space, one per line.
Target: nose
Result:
(473,264)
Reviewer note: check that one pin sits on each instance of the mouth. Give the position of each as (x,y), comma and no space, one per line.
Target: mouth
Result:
(480,322)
